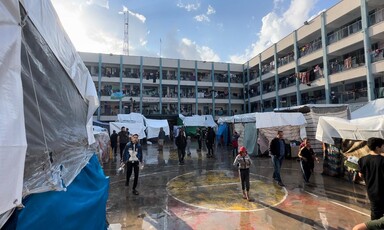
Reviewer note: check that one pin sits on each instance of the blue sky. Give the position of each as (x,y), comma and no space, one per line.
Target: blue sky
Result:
(210,30)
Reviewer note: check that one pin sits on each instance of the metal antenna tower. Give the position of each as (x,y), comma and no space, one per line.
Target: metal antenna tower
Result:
(126,37)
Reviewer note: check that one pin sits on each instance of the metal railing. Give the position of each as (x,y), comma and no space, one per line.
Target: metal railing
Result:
(344,32)
(376,17)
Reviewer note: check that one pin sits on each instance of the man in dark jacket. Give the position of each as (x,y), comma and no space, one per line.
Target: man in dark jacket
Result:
(277,149)
(181,143)
(114,143)
(122,139)
(133,155)
(210,141)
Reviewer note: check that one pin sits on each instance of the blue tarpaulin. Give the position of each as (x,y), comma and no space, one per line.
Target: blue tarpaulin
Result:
(82,206)
(222,131)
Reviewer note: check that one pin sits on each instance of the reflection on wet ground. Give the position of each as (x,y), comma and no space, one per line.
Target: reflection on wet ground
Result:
(205,193)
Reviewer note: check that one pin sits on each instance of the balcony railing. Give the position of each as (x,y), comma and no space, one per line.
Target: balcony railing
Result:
(377,55)
(376,17)
(344,32)
(310,48)
(340,65)
(285,60)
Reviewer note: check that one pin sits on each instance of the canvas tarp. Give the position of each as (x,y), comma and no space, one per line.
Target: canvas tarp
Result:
(292,124)
(197,120)
(356,129)
(133,128)
(48,102)
(131,118)
(153,127)
(373,108)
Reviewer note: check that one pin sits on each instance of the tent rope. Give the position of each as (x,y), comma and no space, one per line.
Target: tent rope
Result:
(34,90)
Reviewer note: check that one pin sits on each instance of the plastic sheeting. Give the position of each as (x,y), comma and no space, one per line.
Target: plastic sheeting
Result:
(222,131)
(269,120)
(63,118)
(373,108)
(134,128)
(46,21)
(357,129)
(131,118)
(153,127)
(102,145)
(197,120)
(82,206)
(13,143)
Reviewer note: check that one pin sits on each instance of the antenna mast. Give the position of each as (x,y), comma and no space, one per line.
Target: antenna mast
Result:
(126,38)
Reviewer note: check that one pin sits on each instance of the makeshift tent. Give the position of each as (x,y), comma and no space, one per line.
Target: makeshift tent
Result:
(133,128)
(131,118)
(101,145)
(48,99)
(356,129)
(373,108)
(312,112)
(223,131)
(292,124)
(153,127)
(198,120)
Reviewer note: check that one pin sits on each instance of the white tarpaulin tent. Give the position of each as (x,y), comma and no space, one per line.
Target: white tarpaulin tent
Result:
(153,127)
(131,118)
(356,129)
(373,108)
(198,120)
(48,99)
(240,118)
(292,124)
(133,128)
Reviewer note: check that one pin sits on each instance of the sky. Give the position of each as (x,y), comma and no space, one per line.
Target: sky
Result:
(209,30)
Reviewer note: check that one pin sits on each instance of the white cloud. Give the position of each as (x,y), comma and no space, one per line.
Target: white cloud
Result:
(102,3)
(202,18)
(275,26)
(210,10)
(88,37)
(141,17)
(190,6)
(185,48)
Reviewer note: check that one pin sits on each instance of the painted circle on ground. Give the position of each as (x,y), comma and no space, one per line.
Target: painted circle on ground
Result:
(220,190)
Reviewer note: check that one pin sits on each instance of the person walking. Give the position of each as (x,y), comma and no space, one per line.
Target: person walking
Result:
(122,139)
(188,148)
(371,168)
(243,162)
(161,139)
(235,143)
(113,139)
(277,150)
(199,137)
(133,155)
(307,160)
(210,141)
(181,143)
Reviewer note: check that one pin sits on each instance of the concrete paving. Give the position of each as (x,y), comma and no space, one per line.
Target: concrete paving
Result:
(205,193)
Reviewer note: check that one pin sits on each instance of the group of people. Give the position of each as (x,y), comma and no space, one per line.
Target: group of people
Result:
(371,166)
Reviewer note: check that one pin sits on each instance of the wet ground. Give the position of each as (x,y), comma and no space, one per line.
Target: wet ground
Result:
(205,193)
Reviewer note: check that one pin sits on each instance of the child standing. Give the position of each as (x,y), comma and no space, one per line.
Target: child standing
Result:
(243,162)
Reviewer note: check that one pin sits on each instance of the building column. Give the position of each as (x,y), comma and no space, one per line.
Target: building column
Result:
(213,90)
(141,84)
(196,91)
(99,87)
(249,99)
(121,85)
(261,85)
(367,48)
(276,79)
(296,53)
(178,87)
(244,81)
(161,87)
(229,112)
(324,39)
